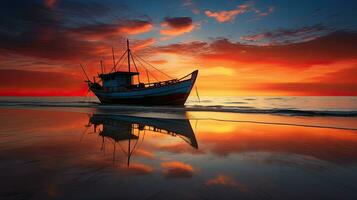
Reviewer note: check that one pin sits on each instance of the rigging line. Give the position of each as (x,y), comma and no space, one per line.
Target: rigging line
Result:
(147,75)
(146,68)
(84,72)
(154,67)
(85,97)
(123,149)
(134,148)
(119,64)
(142,140)
(115,65)
(121,59)
(199,100)
(153,75)
(84,132)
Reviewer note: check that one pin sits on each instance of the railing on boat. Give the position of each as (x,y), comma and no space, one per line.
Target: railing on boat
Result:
(147,85)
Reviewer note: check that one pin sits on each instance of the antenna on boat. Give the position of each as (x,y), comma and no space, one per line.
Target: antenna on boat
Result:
(84,71)
(114,65)
(101,66)
(128,49)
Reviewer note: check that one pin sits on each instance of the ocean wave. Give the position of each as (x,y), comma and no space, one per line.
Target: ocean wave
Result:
(235,102)
(210,108)
(250,99)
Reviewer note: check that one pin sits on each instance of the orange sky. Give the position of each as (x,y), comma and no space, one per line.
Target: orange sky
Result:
(44,59)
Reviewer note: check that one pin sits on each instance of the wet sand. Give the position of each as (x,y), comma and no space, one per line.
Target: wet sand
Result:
(88,154)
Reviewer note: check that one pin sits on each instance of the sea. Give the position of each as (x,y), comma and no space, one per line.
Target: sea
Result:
(234,147)
(293,105)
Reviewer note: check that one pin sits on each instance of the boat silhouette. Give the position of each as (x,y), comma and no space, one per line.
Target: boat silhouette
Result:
(121,128)
(118,87)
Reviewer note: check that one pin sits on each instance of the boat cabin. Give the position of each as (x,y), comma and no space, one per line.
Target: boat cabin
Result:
(118,79)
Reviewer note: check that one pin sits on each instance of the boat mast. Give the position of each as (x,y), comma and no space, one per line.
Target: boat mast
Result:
(101,66)
(127,44)
(114,66)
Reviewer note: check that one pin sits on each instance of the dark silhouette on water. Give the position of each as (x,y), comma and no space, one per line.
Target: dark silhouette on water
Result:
(121,128)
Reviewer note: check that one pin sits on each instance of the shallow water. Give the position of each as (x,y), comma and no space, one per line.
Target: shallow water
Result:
(96,153)
(293,106)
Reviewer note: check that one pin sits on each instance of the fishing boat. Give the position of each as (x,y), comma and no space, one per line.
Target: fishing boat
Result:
(118,87)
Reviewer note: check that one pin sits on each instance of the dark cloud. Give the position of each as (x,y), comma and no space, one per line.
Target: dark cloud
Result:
(57,36)
(63,30)
(333,47)
(176,26)
(183,48)
(326,49)
(178,22)
(289,35)
(108,31)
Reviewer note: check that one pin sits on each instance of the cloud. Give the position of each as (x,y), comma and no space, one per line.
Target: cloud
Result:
(314,88)
(145,153)
(323,50)
(255,38)
(181,48)
(339,80)
(176,26)
(187,3)
(223,180)
(65,33)
(175,169)
(138,168)
(308,60)
(50,3)
(108,31)
(281,36)
(268,12)
(229,15)
(142,44)
(340,75)
(158,62)
(24,82)
(191,5)
(284,140)
(179,148)
(135,27)
(218,71)
(56,36)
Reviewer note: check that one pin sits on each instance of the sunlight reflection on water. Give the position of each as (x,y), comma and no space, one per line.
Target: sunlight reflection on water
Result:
(71,155)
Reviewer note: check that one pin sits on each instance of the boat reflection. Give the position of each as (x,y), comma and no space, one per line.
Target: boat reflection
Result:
(131,129)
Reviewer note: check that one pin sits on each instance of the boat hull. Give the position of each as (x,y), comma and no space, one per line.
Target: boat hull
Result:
(172,94)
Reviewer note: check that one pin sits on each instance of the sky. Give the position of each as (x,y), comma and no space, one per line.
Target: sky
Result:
(272,47)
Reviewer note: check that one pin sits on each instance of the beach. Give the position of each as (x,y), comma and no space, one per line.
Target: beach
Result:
(216,149)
